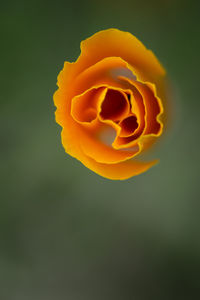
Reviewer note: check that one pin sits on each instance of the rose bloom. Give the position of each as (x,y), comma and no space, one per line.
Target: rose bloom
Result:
(110,104)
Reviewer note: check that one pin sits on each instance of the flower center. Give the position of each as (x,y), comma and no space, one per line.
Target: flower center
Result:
(115,106)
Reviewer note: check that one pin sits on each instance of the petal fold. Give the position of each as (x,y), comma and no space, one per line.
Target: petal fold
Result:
(120,171)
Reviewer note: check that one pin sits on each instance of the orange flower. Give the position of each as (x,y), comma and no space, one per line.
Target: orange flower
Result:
(109,104)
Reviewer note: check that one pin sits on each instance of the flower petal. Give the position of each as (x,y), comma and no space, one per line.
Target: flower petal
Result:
(105,71)
(85,106)
(119,171)
(128,126)
(94,148)
(113,42)
(153,106)
(139,110)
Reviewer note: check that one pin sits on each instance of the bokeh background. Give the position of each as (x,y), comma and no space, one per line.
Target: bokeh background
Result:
(65,232)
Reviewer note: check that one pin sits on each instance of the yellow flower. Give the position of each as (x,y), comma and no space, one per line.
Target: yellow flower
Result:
(110,104)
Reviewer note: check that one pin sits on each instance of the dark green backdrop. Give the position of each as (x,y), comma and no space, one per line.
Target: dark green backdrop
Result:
(65,232)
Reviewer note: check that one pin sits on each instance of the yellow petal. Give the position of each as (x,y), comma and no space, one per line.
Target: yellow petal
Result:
(113,42)
(84,107)
(119,171)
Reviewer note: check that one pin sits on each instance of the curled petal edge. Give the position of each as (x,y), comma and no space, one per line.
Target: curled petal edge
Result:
(117,171)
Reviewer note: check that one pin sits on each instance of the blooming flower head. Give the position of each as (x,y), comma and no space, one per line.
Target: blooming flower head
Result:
(110,104)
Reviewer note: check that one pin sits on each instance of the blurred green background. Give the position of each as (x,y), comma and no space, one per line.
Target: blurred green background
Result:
(65,232)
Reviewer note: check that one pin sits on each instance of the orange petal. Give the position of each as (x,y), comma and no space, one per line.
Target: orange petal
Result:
(78,138)
(113,42)
(102,153)
(105,71)
(153,106)
(120,171)
(116,171)
(139,110)
(152,109)
(85,106)
(153,124)
(128,126)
